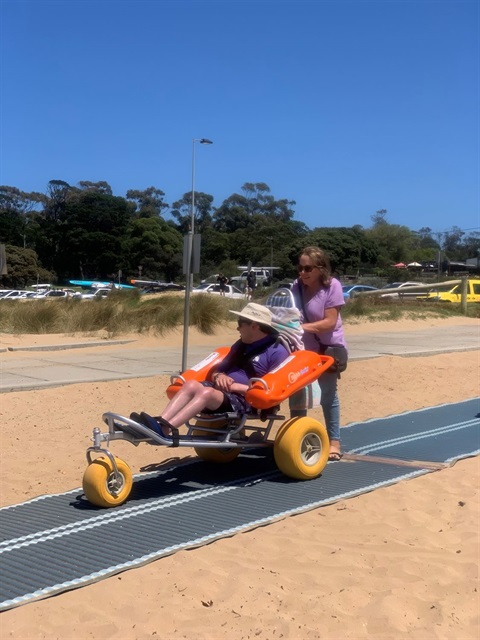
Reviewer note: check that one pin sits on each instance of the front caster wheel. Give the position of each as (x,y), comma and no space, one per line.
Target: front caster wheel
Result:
(301,448)
(100,485)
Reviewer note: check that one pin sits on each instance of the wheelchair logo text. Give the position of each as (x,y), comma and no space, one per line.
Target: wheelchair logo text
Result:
(295,375)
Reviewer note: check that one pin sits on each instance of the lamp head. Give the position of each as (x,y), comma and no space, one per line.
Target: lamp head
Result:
(205,141)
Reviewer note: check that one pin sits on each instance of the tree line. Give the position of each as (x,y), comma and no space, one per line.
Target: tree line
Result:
(86,232)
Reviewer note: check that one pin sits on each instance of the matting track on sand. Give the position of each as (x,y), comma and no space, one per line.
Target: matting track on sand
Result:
(56,543)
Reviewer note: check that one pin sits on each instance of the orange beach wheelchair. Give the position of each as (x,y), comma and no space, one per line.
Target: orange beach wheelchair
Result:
(300,445)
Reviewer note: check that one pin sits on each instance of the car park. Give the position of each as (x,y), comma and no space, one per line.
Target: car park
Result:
(351,290)
(455,294)
(230,291)
(399,286)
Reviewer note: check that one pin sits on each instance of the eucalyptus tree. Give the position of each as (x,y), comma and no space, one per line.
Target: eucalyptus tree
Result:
(215,251)
(238,210)
(470,246)
(256,196)
(148,203)
(100,187)
(231,215)
(56,199)
(426,239)
(152,249)
(90,235)
(24,268)
(267,242)
(379,217)
(452,243)
(182,211)
(395,243)
(349,248)
(17,213)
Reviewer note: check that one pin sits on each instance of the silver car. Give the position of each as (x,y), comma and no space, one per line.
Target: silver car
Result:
(400,286)
(230,290)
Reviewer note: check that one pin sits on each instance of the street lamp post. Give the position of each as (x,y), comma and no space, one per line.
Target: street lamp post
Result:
(271,258)
(189,265)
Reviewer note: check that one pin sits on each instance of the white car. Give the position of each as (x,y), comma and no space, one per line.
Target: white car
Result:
(262,277)
(230,291)
(14,295)
(97,293)
(57,294)
(400,286)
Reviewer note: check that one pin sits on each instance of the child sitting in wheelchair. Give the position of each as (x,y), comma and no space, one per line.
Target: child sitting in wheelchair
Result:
(255,354)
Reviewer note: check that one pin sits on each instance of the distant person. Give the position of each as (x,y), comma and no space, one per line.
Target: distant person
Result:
(222,281)
(251,280)
(250,284)
(254,355)
(319,298)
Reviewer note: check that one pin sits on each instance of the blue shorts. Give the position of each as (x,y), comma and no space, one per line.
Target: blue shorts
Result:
(231,402)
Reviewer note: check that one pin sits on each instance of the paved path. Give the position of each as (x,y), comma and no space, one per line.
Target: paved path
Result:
(59,366)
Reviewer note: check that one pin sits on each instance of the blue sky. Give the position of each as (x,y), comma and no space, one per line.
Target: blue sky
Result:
(346,107)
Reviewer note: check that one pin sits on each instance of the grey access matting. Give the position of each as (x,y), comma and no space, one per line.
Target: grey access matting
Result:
(437,434)
(56,543)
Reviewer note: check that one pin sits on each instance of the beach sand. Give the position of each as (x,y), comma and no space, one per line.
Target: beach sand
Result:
(399,562)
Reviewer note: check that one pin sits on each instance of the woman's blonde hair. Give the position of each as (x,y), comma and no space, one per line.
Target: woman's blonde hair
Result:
(319,259)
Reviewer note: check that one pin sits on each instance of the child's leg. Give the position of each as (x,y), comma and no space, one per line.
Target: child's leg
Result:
(191,399)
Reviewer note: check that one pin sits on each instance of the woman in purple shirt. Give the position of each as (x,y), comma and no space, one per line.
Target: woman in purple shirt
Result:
(319,297)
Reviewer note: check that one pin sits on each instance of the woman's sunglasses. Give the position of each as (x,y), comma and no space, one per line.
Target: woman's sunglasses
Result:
(243,321)
(308,268)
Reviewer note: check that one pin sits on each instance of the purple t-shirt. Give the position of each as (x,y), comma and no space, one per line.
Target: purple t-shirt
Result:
(325,298)
(264,361)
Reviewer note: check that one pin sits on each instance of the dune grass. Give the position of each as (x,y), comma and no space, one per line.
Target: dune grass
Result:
(118,314)
(124,312)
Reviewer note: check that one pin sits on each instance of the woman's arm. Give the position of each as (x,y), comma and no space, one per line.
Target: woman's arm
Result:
(325,325)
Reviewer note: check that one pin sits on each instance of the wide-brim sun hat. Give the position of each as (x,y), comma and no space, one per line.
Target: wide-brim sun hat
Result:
(256,312)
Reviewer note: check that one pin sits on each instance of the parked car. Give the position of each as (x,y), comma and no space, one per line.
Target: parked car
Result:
(284,284)
(96,293)
(262,277)
(14,295)
(400,286)
(454,295)
(56,294)
(161,287)
(42,288)
(350,290)
(230,292)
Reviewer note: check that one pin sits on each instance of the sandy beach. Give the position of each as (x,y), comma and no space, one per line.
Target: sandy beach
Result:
(400,562)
